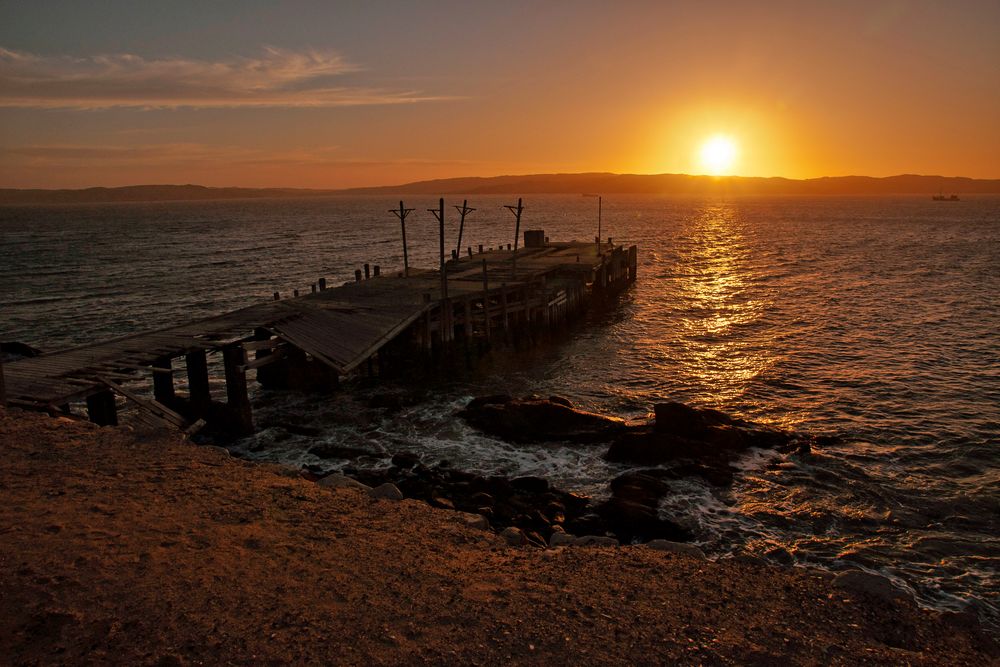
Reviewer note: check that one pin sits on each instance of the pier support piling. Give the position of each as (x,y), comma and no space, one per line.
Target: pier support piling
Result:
(102,409)
(163,383)
(198,389)
(237,397)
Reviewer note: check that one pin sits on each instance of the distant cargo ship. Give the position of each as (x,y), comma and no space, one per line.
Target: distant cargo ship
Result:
(944,198)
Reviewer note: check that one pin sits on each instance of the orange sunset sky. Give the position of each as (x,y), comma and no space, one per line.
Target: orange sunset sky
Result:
(340,94)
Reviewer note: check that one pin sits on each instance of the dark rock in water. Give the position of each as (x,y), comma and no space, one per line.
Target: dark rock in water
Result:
(539,420)
(531,484)
(495,399)
(331,451)
(679,420)
(703,442)
(632,512)
(643,446)
(13,350)
(633,521)
(560,400)
(405,459)
(644,486)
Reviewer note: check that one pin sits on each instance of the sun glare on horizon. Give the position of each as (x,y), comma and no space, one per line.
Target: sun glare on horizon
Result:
(718,155)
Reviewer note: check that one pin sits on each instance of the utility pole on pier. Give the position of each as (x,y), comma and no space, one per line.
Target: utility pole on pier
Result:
(464,210)
(439,214)
(401,214)
(516,210)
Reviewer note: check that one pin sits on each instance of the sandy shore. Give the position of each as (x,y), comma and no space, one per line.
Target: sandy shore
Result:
(123,549)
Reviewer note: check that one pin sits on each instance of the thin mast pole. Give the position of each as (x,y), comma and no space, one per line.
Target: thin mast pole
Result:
(517,232)
(464,210)
(439,214)
(401,214)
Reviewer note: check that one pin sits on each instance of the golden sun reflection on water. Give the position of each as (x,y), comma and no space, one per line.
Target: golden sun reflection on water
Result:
(715,284)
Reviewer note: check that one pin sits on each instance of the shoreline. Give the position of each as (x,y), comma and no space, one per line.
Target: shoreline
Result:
(144,548)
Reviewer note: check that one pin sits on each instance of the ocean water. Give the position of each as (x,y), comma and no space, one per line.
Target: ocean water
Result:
(874,319)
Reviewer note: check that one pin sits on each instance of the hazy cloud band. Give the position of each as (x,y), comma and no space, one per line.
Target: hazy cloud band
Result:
(278,78)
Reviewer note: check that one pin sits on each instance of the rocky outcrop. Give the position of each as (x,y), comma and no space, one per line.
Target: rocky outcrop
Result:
(633,508)
(535,419)
(704,441)
(532,505)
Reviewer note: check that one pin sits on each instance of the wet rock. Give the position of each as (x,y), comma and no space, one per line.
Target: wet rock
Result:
(866,583)
(495,399)
(697,441)
(513,536)
(333,451)
(780,555)
(338,481)
(561,540)
(386,491)
(540,420)
(561,400)
(405,459)
(476,521)
(442,503)
(676,548)
(633,521)
(596,541)
(531,484)
(481,499)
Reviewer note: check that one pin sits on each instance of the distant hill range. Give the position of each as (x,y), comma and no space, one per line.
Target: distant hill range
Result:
(609,184)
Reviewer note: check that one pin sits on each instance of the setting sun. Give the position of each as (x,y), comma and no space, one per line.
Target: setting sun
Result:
(718,155)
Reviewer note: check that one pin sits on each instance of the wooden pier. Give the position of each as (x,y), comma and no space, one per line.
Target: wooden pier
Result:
(379,324)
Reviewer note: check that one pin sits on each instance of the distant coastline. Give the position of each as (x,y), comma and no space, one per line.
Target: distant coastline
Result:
(604,183)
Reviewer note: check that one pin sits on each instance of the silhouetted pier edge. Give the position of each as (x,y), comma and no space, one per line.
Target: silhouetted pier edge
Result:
(380,325)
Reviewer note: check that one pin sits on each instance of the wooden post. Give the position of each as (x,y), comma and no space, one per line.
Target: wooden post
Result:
(357,275)
(197,372)
(503,306)
(322,284)
(238,400)
(163,383)
(467,315)
(464,211)
(516,210)
(470,250)
(480,248)
(486,301)
(277,296)
(101,408)
(439,214)
(425,326)
(401,214)
(313,288)
(368,271)
(376,270)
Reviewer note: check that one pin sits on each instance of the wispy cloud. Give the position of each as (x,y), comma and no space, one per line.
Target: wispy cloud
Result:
(277,78)
(185,154)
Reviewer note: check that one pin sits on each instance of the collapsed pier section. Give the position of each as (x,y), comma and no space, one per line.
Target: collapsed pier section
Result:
(380,324)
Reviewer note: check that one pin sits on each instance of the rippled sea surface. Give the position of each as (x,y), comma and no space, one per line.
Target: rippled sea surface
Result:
(874,319)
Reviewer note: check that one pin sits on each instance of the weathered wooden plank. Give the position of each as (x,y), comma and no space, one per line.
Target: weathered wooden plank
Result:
(151,406)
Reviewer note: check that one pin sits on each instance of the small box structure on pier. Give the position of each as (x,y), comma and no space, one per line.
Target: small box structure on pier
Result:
(379,325)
